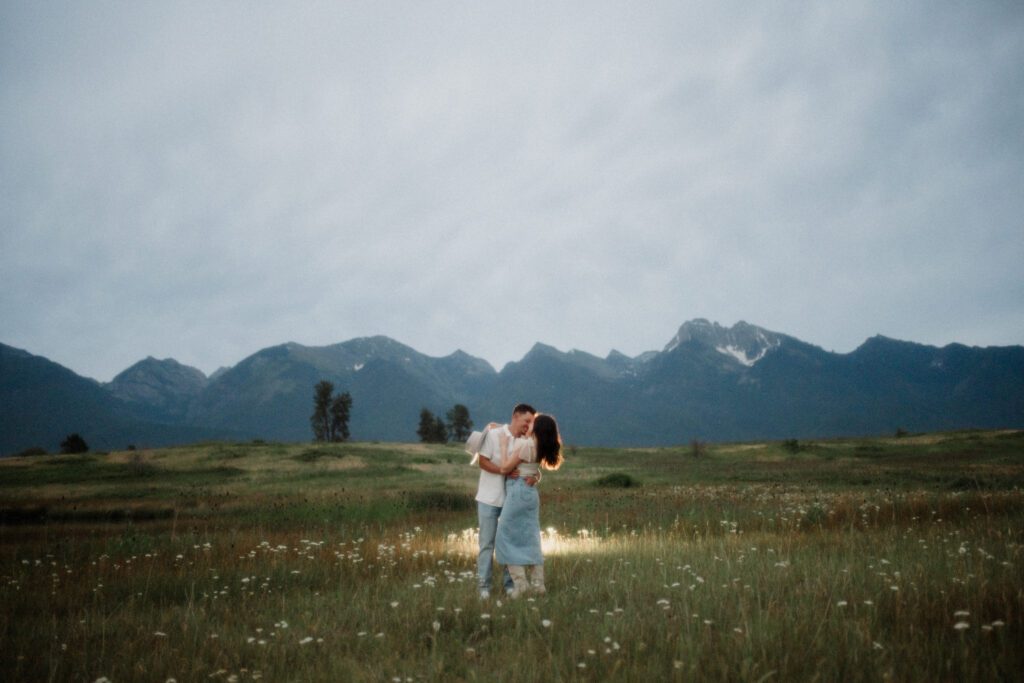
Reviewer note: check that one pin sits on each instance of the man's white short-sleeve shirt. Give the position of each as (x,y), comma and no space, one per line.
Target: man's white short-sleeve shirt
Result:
(491,489)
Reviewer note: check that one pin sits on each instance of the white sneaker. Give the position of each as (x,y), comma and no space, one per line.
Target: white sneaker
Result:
(485,594)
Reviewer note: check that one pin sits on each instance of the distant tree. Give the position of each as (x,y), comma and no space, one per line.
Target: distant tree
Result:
(340,407)
(431,429)
(320,420)
(440,431)
(459,424)
(73,443)
(426,429)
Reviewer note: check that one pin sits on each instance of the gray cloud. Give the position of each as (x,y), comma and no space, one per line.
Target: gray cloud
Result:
(202,181)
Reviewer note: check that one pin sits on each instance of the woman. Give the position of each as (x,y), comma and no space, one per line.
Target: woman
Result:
(518,542)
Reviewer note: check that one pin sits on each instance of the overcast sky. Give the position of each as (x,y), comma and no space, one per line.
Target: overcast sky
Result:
(203,180)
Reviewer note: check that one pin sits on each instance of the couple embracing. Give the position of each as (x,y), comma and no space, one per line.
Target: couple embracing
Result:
(508,504)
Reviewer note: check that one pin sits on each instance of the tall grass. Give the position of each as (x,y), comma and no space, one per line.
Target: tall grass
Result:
(683,580)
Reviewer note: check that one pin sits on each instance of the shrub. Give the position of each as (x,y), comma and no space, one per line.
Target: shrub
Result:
(619,480)
(140,467)
(35,450)
(74,443)
(314,454)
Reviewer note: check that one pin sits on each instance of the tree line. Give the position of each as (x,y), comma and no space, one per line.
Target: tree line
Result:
(433,429)
(329,423)
(331,412)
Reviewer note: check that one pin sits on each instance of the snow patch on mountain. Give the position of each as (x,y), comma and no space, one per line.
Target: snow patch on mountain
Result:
(737,353)
(741,355)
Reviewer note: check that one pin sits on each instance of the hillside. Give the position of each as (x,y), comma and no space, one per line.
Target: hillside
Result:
(708,383)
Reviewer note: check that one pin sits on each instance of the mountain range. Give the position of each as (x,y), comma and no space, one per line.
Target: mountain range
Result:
(709,383)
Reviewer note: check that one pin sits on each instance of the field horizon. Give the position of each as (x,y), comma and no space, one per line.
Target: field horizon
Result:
(837,559)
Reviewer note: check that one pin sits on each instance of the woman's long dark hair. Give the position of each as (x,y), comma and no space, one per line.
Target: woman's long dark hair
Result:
(549,443)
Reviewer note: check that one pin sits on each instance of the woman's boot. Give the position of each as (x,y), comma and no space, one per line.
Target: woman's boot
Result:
(520,584)
(537,579)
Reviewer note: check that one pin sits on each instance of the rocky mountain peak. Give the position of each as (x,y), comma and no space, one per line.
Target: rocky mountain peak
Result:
(158,381)
(743,342)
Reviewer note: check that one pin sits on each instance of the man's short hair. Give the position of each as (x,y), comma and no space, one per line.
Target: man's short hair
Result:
(523,408)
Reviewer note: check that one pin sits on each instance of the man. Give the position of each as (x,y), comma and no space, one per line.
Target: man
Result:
(490,494)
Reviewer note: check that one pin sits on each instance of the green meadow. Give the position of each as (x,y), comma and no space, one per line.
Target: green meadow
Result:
(836,560)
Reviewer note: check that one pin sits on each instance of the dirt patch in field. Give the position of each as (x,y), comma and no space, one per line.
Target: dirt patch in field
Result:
(122,457)
(24,461)
(406,448)
(939,437)
(426,466)
(349,463)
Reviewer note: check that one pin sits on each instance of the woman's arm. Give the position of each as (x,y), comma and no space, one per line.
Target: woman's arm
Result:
(511,464)
(513,460)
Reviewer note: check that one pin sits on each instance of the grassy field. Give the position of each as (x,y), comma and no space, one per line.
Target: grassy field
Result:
(859,559)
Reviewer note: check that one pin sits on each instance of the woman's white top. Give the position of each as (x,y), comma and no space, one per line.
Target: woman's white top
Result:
(527,449)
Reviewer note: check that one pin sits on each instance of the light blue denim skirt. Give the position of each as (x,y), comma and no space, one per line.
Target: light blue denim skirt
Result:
(518,541)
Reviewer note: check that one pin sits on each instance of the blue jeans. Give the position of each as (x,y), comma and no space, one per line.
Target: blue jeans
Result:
(488,517)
